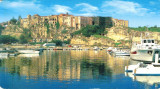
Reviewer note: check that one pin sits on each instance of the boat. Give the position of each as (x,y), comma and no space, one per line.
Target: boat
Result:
(121,53)
(28,51)
(144,51)
(110,49)
(28,55)
(96,48)
(149,70)
(4,55)
(130,68)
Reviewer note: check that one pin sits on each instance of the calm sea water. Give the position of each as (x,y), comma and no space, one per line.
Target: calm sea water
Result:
(71,70)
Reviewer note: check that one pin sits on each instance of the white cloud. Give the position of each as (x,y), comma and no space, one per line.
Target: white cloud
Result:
(123,7)
(8,4)
(87,7)
(85,14)
(61,9)
(25,8)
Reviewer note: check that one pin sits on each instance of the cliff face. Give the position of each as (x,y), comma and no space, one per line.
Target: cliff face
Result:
(13,30)
(117,35)
(80,40)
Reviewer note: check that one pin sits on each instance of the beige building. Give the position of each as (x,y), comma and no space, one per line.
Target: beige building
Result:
(118,22)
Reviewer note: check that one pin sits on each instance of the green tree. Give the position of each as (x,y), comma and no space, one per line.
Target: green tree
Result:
(92,30)
(7,39)
(58,42)
(67,41)
(1,28)
(57,25)
(19,20)
(64,31)
(13,21)
(22,39)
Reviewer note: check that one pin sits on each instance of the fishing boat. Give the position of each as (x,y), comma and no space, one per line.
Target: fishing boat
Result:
(28,51)
(144,51)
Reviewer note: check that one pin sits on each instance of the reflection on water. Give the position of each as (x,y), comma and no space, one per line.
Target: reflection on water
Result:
(153,81)
(64,65)
(68,66)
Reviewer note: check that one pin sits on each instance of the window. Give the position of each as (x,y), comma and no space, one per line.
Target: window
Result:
(152,41)
(149,41)
(145,41)
(156,52)
(150,52)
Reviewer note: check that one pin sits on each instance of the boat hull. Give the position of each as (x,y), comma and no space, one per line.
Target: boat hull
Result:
(122,54)
(146,55)
(28,51)
(148,71)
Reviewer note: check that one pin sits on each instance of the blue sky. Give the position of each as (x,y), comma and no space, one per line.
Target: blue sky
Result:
(137,12)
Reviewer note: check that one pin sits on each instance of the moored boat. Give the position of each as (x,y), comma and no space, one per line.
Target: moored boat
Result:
(149,70)
(144,51)
(121,53)
(130,68)
(28,51)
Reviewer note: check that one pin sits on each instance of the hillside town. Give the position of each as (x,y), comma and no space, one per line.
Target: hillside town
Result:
(43,26)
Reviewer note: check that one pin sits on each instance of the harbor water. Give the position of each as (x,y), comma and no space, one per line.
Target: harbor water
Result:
(71,69)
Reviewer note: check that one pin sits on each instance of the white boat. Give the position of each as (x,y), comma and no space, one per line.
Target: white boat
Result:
(28,51)
(130,68)
(28,55)
(121,53)
(110,49)
(144,51)
(4,55)
(96,48)
(150,70)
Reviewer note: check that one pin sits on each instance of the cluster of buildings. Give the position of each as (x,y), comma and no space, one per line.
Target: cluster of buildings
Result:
(39,30)
(76,22)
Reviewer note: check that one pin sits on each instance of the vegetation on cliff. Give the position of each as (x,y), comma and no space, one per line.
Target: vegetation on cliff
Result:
(59,42)
(152,29)
(90,30)
(1,28)
(25,36)
(7,39)
(13,21)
